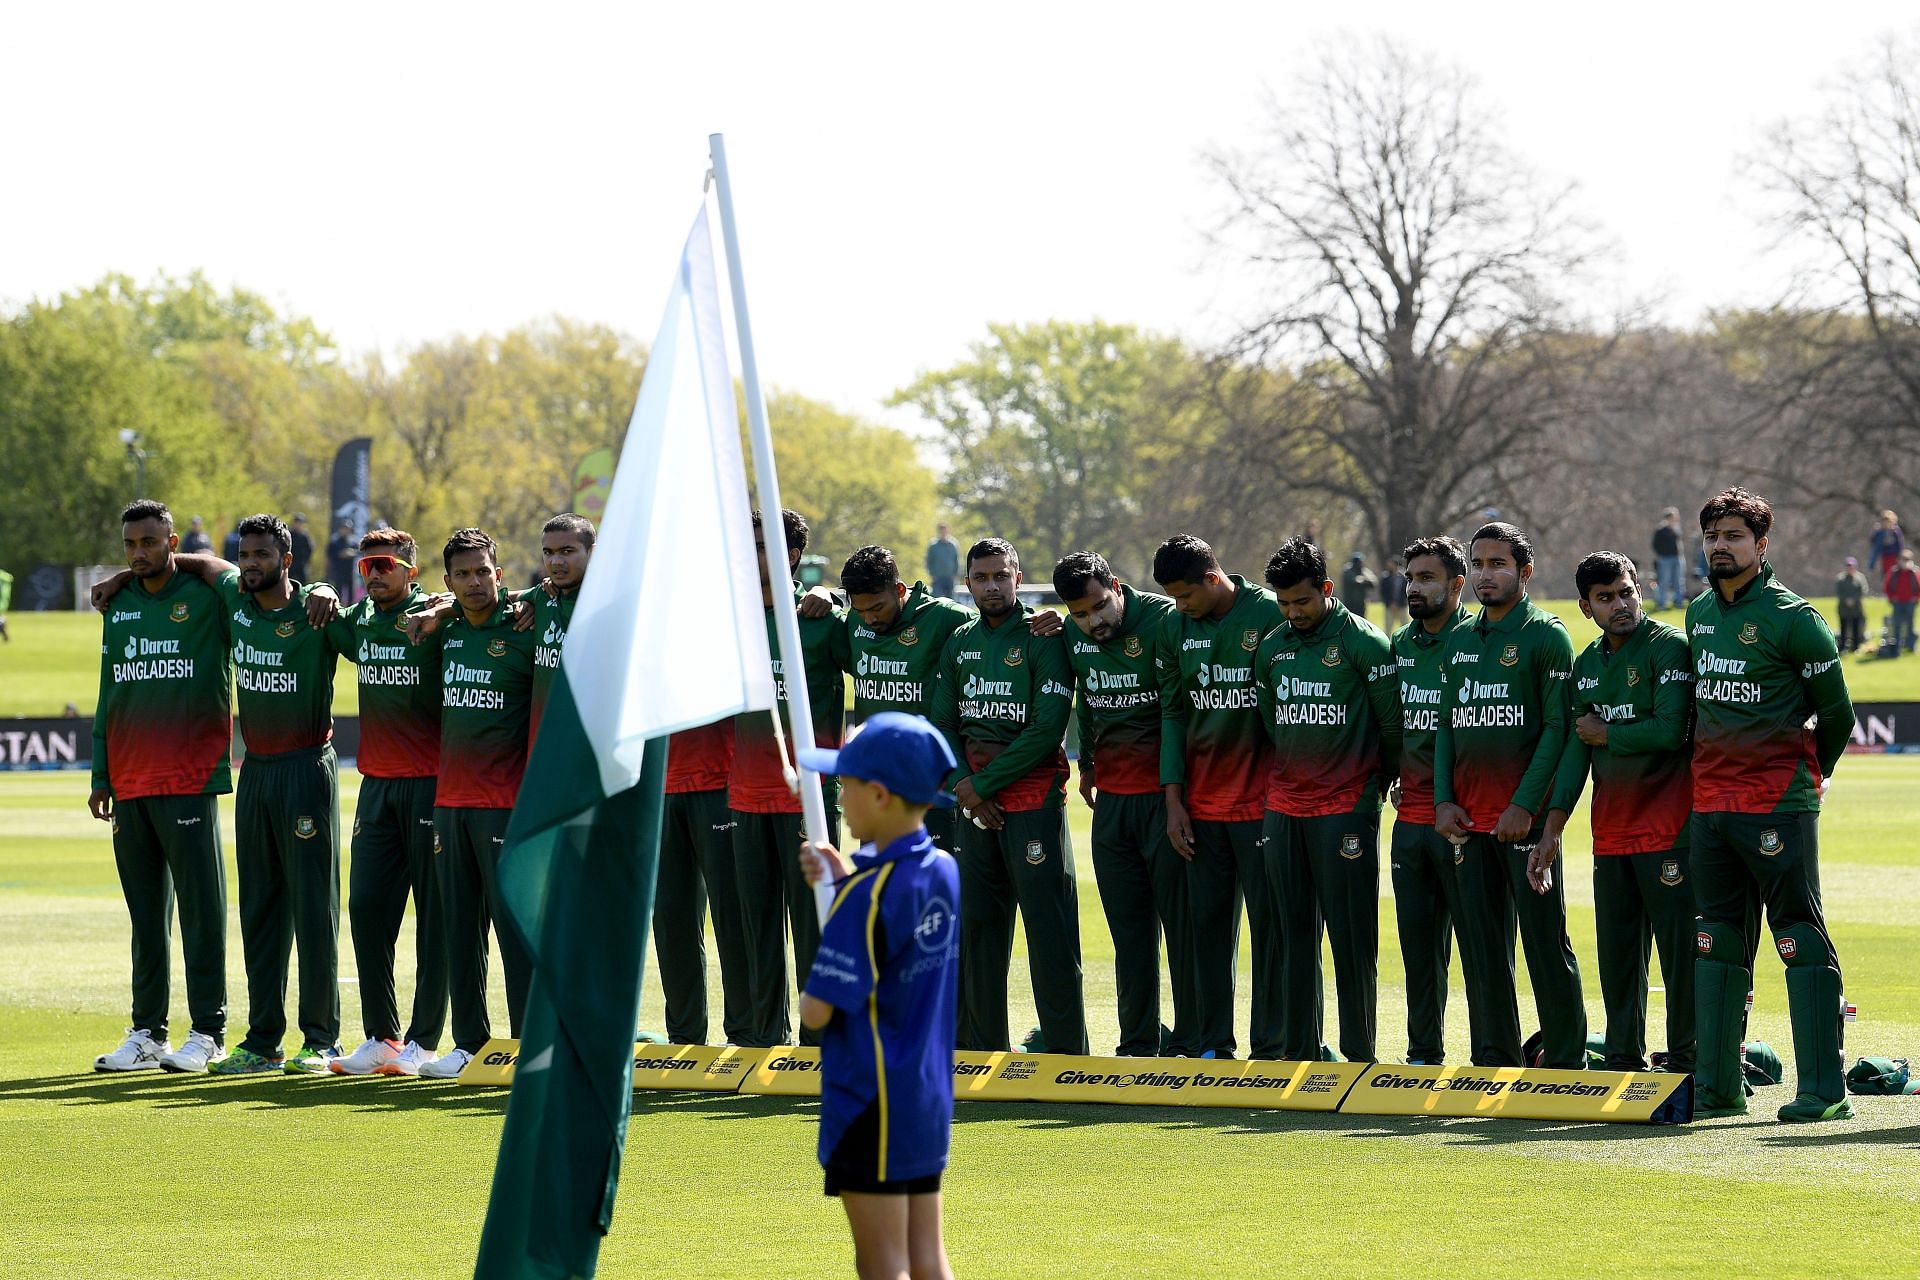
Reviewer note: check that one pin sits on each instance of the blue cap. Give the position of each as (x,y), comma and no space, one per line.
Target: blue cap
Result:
(903,753)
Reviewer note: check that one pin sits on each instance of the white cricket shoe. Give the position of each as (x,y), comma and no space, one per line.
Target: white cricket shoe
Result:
(367,1059)
(408,1062)
(195,1056)
(138,1052)
(447,1066)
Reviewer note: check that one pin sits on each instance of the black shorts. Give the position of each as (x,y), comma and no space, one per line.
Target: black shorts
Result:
(855,1164)
(863,1182)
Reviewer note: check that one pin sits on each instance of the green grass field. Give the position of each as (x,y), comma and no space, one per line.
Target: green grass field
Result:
(251,1175)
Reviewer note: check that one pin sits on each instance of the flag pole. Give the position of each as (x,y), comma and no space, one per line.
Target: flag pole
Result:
(767,482)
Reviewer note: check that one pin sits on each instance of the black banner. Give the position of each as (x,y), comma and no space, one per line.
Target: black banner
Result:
(67,742)
(352,506)
(1886,726)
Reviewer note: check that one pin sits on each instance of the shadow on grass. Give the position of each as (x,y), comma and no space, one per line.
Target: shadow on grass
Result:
(259,1092)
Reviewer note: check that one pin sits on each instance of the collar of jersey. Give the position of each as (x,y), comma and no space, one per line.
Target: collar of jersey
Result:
(1739,597)
(1515,616)
(913,844)
(1639,637)
(414,596)
(1331,623)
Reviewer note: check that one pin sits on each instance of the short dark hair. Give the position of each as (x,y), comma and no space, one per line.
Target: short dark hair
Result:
(992,547)
(397,541)
(1450,553)
(147,509)
(793,525)
(268,526)
(1754,511)
(1183,558)
(1600,568)
(1295,562)
(1079,570)
(568,522)
(468,540)
(1501,531)
(869,571)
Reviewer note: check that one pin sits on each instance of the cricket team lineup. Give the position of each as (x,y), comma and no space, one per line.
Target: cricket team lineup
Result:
(1237,742)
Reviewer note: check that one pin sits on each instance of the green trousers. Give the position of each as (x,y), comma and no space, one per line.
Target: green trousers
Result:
(697,877)
(392,861)
(1496,902)
(1143,890)
(468,844)
(1027,865)
(1325,872)
(286,818)
(773,897)
(167,848)
(1227,869)
(1642,898)
(1424,903)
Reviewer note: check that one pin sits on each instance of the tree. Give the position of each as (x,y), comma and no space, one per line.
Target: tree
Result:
(856,483)
(1411,359)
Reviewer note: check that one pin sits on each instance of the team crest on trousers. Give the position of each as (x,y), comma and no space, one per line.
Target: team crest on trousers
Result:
(1459,855)
(304,828)
(1349,847)
(1769,842)
(1670,872)
(178,612)
(909,638)
(1036,852)
(1250,639)
(436,842)
(1511,658)
(1132,647)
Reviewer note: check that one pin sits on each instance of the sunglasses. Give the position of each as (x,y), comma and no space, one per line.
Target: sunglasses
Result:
(369,565)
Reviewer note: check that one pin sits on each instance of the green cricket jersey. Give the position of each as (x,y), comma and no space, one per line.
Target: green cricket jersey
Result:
(1330,700)
(551,616)
(1642,779)
(759,783)
(399,688)
(1765,663)
(1118,696)
(894,670)
(282,671)
(1417,652)
(1003,699)
(1213,739)
(1507,724)
(163,725)
(486,696)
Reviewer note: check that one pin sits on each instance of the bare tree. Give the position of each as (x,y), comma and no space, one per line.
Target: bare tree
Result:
(1413,359)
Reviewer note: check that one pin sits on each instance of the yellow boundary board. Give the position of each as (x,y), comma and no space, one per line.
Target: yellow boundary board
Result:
(1350,1088)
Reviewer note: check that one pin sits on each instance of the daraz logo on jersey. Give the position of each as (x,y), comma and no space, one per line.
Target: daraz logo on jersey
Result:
(553,634)
(872,666)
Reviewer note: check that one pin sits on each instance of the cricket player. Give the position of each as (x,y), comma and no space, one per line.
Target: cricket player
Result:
(392,842)
(1633,703)
(767,818)
(882,993)
(1766,665)
(1004,699)
(1214,759)
(1329,694)
(566,548)
(1425,896)
(1143,882)
(697,877)
(1498,748)
(486,700)
(161,737)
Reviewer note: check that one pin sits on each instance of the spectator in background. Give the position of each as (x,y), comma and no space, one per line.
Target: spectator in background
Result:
(1356,586)
(943,563)
(343,548)
(1669,565)
(1850,597)
(1393,596)
(1903,593)
(196,539)
(1884,548)
(1311,534)
(230,548)
(302,549)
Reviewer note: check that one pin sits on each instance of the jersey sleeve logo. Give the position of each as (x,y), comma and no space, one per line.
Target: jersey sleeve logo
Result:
(909,638)
(1132,647)
(497,648)
(1250,639)
(1015,657)
(1750,634)
(178,612)
(285,630)
(1511,656)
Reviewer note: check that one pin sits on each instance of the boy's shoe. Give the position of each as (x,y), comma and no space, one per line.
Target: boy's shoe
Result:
(138,1052)
(313,1060)
(367,1059)
(447,1066)
(1807,1109)
(195,1056)
(245,1062)
(408,1062)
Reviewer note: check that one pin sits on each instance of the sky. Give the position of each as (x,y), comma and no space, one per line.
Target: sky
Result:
(904,174)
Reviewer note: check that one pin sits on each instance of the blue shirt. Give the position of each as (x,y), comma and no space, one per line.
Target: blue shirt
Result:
(889,963)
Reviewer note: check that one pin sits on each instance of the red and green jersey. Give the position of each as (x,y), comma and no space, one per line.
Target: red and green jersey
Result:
(1213,740)
(282,671)
(1003,699)
(486,694)
(1330,699)
(551,616)
(700,759)
(163,725)
(894,670)
(1417,652)
(1765,663)
(399,688)
(1506,721)
(758,783)
(1642,779)
(1118,696)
